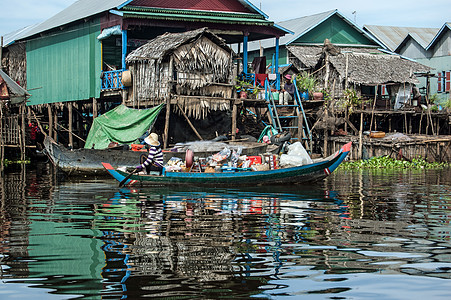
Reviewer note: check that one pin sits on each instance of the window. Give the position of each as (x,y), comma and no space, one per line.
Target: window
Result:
(444,82)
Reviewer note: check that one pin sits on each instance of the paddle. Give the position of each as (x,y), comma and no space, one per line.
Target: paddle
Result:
(127,178)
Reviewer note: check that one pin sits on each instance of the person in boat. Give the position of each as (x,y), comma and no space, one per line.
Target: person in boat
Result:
(154,160)
(287,93)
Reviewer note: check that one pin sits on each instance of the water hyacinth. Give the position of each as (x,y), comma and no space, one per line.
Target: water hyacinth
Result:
(385,162)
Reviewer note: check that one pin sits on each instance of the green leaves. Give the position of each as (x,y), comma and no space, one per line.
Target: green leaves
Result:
(385,162)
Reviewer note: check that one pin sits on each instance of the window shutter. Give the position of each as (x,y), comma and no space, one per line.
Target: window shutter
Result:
(384,89)
(447,81)
(439,81)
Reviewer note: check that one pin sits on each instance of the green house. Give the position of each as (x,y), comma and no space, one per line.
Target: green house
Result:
(312,31)
(67,55)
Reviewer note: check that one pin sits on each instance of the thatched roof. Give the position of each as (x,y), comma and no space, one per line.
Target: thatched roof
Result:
(366,66)
(372,69)
(162,45)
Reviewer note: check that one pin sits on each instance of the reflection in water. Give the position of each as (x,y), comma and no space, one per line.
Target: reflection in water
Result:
(358,235)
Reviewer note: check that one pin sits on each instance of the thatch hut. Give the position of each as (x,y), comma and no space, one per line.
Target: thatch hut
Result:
(193,69)
(356,67)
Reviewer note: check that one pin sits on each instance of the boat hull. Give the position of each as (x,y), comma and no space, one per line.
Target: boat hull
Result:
(308,173)
(88,161)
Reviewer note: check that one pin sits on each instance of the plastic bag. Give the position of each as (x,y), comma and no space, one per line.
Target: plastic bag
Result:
(297,156)
(298,149)
(222,155)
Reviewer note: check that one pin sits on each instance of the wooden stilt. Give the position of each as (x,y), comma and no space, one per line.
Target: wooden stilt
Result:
(166,123)
(49,108)
(55,123)
(374,106)
(71,136)
(23,135)
(234,119)
(361,136)
(94,108)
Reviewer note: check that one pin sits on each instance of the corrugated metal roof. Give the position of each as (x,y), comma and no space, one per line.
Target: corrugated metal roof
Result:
(86,8)
(446,26)
(297,26)
(79,10)
(393,36)
(211,5)
(301,26)
(11,37)
(13,87)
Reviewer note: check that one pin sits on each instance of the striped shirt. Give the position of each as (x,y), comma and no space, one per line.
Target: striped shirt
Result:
(155,155)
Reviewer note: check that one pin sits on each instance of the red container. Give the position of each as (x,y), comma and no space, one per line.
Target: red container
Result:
(255,160)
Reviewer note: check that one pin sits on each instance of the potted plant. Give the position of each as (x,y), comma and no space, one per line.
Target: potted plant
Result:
(306,84)
(244,88)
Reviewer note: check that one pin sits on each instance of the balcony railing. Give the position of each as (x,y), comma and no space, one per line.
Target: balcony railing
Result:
(112,80)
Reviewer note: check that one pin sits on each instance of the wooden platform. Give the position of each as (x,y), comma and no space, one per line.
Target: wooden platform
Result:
(431,148)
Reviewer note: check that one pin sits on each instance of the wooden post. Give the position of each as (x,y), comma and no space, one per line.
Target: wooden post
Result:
(326,133)
(71,136)
(300,125)
(94,108)
(55,123)
(22,137)
(168,103)
(326,76)
(374,106)
(49,108)
(361,136)
(166,123)
(421,119)
(405,123)
(234,119)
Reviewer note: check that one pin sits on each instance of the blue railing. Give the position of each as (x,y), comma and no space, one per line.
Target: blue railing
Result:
(112,80)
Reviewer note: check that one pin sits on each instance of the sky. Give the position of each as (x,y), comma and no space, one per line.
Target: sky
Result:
(404,13)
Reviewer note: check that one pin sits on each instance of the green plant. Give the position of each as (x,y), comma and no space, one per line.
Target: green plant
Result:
(242,85)
(433,98)
(351,100)
(385,162)
(447,103)
(306,82)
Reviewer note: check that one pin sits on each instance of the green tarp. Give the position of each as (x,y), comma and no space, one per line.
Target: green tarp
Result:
(122,125)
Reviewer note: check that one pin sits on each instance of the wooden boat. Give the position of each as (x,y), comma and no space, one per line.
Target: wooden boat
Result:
(317,170)
(88,161)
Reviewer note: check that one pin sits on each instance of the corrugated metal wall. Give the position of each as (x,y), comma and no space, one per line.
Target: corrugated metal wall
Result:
(66,65)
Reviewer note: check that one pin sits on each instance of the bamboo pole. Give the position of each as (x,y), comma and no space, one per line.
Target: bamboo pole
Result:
(49,108)
(168,103)
(55,123)
(374,106)
(166,123)
(94,108)
(234,117)
(22,136)
(361,136)
(70,112)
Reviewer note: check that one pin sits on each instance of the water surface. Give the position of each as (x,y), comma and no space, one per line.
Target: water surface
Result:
(356,235)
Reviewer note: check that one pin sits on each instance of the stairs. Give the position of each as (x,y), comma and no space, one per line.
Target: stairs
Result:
(289,118)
